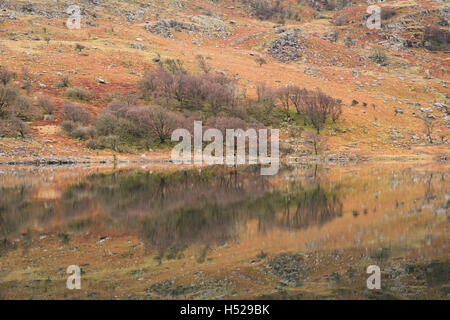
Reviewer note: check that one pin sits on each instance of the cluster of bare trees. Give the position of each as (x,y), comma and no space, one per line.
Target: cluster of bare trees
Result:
(213,97)
(270,9)
(76,121)
(207,91)
(130,124)
(15,108)
(316,106)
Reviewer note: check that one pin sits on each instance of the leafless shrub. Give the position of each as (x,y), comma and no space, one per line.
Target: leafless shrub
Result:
(68,126)
(92,144)
(379,56)
(5,75)
(75,113)
(387,13)
(23,108)
(79,47)
(7,97)
(63,82)
(130,98)
(436,38)
(134,123)
(107,123)
(112,121)
(27,81)
(340,20)
(77,93)
(296,95)
(17,125)
(335,110)
(14,104)
(202,64)
(174,66)
(80,132)
(218,93)
(46,105)
(263,108)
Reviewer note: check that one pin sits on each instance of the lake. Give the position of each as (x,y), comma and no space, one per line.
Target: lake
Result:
(163,232)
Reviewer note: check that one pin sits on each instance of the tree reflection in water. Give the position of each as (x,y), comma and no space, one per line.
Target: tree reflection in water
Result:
(182,208)
(207,207)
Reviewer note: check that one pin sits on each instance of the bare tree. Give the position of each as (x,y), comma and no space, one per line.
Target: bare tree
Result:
(312,110)
(296,95)
(266,96)
(7,97)
(317,106)
(217,95)
(314,141)
(429,124)
(284,94)
(20,127)
(162,124)
(260,61)
(336,110)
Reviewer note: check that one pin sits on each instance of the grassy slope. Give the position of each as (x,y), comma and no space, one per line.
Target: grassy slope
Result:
(108,55)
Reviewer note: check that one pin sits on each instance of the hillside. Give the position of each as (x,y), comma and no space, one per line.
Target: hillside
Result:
(387,80)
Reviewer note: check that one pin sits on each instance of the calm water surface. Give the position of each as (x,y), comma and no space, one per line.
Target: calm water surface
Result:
(309,232)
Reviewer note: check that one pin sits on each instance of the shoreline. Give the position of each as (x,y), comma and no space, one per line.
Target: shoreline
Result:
(165,159)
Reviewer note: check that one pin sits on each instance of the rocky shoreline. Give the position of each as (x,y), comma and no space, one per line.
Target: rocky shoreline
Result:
(165,159)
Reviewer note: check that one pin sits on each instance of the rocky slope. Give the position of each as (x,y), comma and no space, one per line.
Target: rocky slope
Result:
(311,44)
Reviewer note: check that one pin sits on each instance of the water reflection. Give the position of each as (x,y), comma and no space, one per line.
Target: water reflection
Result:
(170,211)
(310,231)
(207,207)
(19,212)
